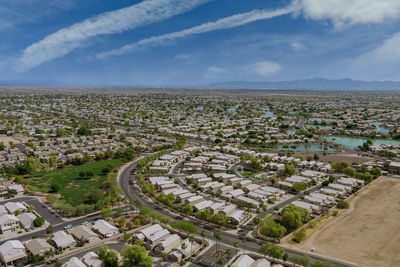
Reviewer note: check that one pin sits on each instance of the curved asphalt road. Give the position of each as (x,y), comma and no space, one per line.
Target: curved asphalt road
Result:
(132,192)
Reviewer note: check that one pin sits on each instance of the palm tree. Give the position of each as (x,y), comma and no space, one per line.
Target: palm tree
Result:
(48,254)
(244,244)
(191,240)
(203,234)
(218,237)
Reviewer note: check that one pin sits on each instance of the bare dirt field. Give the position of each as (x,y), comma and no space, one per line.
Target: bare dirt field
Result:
(369,232)
(335,157)
(7,139)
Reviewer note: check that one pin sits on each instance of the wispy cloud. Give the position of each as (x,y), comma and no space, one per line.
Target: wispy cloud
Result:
(217,73)
(65,40)
(224,23)
(346,12)
(263,68)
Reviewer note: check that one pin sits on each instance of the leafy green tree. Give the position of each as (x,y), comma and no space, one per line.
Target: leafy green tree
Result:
(187,209)
(185,226)
(108,257)
(290,170)
(342,204)
(135,256)
(302,260)
(376,172)
(270,228)
(54,188)
(106,213)
(299,236)
(95,196)
(291,220)
(271,250)
(39,221)
(350,171)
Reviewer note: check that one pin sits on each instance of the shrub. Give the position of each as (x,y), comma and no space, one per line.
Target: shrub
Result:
(342,204)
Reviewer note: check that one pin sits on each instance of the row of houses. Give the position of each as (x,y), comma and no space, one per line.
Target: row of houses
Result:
(14,217)
(198,202)
(161,241)
(13,252)
(326,196)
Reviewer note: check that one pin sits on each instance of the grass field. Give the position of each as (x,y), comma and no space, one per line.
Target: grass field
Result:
(74,188)
(368,233)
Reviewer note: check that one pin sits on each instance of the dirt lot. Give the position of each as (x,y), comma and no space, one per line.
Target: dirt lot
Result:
(7,139)
(369,232)
(335,157)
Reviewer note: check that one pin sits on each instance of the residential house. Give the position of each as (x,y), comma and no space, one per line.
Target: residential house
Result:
(38,246)
(105,228)
(74,262)
(9,224)
(13,252)
(26,219)
(84,234)
(91,259)
(63,241)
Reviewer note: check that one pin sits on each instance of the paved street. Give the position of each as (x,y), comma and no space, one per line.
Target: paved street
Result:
(133,193)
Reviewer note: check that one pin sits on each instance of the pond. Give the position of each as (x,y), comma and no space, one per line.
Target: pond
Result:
(303,147)
(234,108)
(354,142)
(268,113)
(378,127)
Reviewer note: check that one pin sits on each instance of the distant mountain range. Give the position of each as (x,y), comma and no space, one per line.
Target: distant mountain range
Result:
(315,84)
(303,84)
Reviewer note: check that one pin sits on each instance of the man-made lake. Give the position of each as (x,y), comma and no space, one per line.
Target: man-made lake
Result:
(267,112)
(234,108)
(378,127)
(305,148)
(354,142)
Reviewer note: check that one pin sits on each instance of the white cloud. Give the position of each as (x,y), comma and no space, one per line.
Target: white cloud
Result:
(297,46)
(383,62)
(224,23)
(216,73)
(263,68)
(183,57)
(65,40)
(348,12)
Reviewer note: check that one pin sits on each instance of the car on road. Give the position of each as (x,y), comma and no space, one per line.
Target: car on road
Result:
(52,261)
(69,226)
(84,222)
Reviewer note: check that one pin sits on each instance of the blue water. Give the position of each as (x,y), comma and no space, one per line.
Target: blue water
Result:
(200,108)
(354,142)
(291,132)
(378,127)
(268,113)
(234,108)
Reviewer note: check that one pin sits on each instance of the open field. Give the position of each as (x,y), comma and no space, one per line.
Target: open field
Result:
(74,188)
(16,140)
(369,232)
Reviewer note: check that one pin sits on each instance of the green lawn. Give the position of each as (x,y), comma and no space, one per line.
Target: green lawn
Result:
(75,189)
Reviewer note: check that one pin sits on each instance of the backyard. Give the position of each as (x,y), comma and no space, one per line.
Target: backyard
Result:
(75,183)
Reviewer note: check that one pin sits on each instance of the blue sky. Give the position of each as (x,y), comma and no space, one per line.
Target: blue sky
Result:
(194,42)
